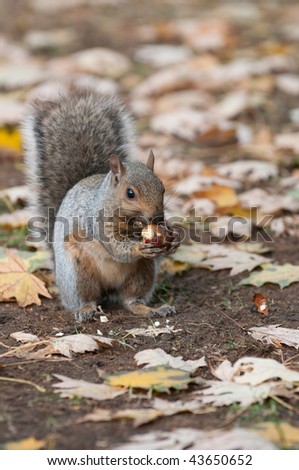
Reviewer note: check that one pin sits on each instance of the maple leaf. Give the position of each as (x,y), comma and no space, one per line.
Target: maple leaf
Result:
(225,257)
(274,334)
(283,275)
(70,388)
(188,438)
(154,357)
(16,281)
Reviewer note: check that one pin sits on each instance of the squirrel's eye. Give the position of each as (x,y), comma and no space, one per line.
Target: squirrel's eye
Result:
(130,193)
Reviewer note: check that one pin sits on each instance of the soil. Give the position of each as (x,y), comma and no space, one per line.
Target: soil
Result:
(213,315)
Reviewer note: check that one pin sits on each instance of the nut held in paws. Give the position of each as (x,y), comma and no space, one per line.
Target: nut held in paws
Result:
(154,234)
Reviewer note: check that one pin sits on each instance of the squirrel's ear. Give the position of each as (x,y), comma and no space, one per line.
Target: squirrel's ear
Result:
(116,167)
(151,161)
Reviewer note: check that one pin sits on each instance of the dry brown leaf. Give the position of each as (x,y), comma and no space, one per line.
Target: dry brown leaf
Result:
(157,357)
(24,337)
(158,408)
(17,282)
(272,333)
(151,331)
(287,141)
(69,388)
(80,343)
(251,170)
(269,203)
(187,438)
(230,257)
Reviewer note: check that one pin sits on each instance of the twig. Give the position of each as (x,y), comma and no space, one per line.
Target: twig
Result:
(233,320)
(283,403)
(22,381)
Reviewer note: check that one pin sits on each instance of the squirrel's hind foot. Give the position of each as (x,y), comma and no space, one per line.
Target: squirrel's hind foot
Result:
(140,309)
(85,314)
(163,311)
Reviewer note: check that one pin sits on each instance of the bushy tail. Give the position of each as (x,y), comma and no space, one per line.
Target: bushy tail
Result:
(68,139)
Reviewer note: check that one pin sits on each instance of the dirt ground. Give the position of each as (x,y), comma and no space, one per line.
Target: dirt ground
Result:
(213,315)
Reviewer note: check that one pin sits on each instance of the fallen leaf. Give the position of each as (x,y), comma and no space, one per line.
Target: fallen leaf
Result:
(261,302)
(256,370)
(250,170)
(157,357)
(253,247)
(158,408)
(66,345)
(191,254)
(12,112)
(16,219)
(184,123)
(283,275)
(160,378)
(268,203)
(17,282)
(29,443)
(21,74)
(222,196)
(151,331)
(33,260)
(24,337)
(10,138)
(230,257)
(198,184)
(249,380)
(232,104)
(230,225)
(282,434)
(97,61)
(80,343)
(288,83)
(226,393)
(16,194)
(69,388)
(38,40)
(272,333)
(188,438)
(162,55)
(288,141)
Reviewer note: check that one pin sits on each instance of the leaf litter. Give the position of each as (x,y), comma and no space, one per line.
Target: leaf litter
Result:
(207,100)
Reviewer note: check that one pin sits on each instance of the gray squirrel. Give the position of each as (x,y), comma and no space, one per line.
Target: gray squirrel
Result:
(95,201)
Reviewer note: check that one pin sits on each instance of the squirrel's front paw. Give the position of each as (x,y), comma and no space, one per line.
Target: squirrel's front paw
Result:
(163,311)
(85,314)
(151,250)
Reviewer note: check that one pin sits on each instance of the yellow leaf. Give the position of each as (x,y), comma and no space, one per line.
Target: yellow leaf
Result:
(10,139)
(223,196)
(282,434)
(29,443)
(16,281)
(171,266)
(283,275)
(158,378)
(32,260)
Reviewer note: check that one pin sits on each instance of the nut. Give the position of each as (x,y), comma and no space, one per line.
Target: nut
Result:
(155,234)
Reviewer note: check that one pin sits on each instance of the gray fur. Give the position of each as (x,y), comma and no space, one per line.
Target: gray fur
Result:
(68,144)
(71,138)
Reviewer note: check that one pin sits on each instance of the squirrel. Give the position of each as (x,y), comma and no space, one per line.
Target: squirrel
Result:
(95,200)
